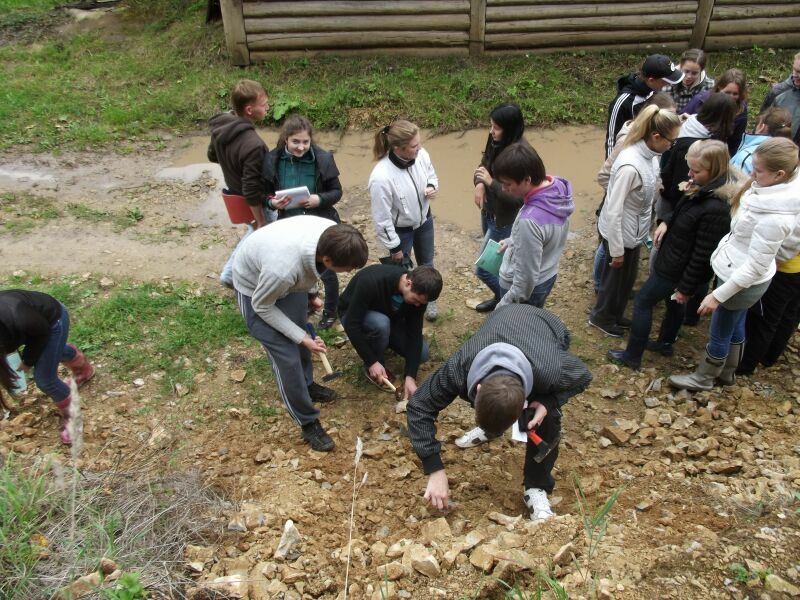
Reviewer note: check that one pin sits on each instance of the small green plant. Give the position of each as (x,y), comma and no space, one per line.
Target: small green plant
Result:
(134,214)
(128,587)
(463,338)
(740,572)
(595,524)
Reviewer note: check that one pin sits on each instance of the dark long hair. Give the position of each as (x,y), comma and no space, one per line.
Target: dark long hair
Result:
(508,117)
(717,115)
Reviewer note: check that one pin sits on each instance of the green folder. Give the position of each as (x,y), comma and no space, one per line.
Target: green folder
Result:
(490,259)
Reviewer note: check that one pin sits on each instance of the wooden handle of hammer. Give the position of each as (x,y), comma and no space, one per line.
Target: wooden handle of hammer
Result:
(389,384)
(325,363)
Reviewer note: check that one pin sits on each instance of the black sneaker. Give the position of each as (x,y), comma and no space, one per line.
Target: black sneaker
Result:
(663,348)
(618,357)
(319,393)
(486,305)
(624,323)
(612,330)
(327,320)
(317,437)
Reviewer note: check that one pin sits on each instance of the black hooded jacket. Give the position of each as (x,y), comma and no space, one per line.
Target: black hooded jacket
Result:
(632,92)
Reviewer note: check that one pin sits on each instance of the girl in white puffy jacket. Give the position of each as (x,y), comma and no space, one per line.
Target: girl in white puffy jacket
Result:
(765,225)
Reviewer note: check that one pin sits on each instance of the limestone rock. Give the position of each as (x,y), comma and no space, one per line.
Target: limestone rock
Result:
(81,587)
(198,554)
(701,447)
(417,557)
(290,540)
(507,540)
(435,531)
(264,455)
(616,434)
(481,559)
(238,375)
(397,549)
(564,554)
(473,538)
(392,571)
(773,583)
(508,522)
(229,586)
(725,467)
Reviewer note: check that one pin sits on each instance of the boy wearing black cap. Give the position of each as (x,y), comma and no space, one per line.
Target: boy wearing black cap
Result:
(520,355)
(634,89)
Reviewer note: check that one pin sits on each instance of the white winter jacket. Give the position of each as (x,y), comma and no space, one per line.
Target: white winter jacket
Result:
(398,196)
(625,218)
(766,226)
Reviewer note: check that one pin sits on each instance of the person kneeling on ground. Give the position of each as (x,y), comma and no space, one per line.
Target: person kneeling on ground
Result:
(40,323)
(272,273)
(382,308)
(520,354)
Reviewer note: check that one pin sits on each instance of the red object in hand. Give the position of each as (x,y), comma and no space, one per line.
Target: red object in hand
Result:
(534,437)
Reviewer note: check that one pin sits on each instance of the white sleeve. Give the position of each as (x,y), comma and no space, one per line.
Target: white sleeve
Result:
(382,198)
(626,179)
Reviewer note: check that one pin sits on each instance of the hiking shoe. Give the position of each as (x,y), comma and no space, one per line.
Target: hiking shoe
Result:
(432,311)
(487,305)
(625,323)
(618,357)
(382,386)
(317,437)
(538,504)
(327,320)
(663,348)
(473,438)
(320,393)
(612,330)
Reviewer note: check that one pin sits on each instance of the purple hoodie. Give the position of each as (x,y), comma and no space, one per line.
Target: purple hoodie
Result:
(537,241)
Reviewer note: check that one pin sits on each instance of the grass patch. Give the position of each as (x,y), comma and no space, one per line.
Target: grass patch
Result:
(22,212)
(140,329)
(162,68)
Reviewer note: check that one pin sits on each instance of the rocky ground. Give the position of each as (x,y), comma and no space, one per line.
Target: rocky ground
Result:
(708,483)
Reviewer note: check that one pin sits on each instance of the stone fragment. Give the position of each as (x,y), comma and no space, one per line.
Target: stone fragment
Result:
(81,587)
(701,447)
(472,539)
(774,583)
(238,375)
(201,554)
(481,559)
(290,575)
(564,554)
(392,571)
(401,407)
(290,540)
(397,549)
(616,434)
(505,520)
(508,539)
(264,455)
(725,467)
(107,566)
(237,524)
(651,402)
(435,531)
(420,559)
(106,283)
(385,591)
(378,550)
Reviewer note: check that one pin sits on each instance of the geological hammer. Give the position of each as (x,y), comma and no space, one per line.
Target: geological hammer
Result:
(331,374)
(542,447)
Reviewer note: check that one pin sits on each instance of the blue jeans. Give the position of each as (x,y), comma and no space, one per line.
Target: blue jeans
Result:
(491,232)
(539,294)
(331,283)
(600,258)
(727,327)
(383,332)
(654,290)
(421,239)
(45,371)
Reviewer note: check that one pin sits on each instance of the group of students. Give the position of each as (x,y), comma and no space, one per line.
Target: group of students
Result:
(729,222)
(517,370)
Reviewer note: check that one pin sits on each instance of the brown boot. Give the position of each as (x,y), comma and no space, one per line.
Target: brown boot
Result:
(63,408)
(82,369)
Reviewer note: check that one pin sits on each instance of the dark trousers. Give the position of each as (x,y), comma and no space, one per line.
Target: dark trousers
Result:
(654,290)
(540,475)
(615,287)
(331,284)
(772,321)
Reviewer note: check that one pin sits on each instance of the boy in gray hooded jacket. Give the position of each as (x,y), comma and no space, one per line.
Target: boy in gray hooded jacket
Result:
(519,355)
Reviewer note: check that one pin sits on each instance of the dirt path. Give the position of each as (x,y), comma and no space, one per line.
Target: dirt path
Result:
(707,480)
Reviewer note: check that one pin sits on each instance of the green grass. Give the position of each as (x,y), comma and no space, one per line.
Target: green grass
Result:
(139,329)
(23,212)
(164,69)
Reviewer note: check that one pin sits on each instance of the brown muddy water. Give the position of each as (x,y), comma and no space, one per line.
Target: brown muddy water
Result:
(575,153)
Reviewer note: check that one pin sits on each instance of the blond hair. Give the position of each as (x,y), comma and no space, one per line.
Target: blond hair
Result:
(713,156)
(395,135)
(652,120)
(246,91)
(778,154)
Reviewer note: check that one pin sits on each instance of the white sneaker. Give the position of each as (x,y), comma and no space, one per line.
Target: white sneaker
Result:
(538,504)
(473,438)
(432,311)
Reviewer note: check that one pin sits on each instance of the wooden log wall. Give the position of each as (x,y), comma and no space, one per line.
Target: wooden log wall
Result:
(259,29)
(748,23)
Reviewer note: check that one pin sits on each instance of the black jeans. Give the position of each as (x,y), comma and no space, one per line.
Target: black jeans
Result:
(540,475)
(654,290)
(772,321)
(615,287)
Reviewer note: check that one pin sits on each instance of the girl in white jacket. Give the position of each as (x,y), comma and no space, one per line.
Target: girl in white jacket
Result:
(766,224)
(401,186)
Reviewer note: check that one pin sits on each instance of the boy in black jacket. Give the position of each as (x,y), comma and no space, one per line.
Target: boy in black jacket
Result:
(634,89)
(382,307)
(519,355)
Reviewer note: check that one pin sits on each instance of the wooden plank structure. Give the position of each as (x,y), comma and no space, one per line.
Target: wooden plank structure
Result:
(256,30)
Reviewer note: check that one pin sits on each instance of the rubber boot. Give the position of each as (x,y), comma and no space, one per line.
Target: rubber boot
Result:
(63,408)
(728,374)
(82,369)
(703,377)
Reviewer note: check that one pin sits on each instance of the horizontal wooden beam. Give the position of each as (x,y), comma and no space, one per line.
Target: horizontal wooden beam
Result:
(262,55)
(754,26)
(362,39)
(659,21)
(533,13)
(302,8)
(552,2)
(366,23)
(602,47)
(576,38)
(751,11)
(723,42)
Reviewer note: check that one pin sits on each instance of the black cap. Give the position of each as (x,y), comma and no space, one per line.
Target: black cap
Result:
(661,67)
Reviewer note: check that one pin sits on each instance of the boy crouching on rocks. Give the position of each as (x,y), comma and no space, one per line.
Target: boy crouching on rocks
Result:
(519,356)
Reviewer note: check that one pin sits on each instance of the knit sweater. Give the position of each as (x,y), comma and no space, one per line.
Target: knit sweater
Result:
(543,339)
(376,288)
(25,320)
(277,260)
(537,240)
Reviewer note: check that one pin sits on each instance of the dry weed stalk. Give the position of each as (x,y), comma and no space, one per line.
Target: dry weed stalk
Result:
(356,486)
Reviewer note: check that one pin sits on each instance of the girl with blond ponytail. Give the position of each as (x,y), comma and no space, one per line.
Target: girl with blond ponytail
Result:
(765,229)
(624,221)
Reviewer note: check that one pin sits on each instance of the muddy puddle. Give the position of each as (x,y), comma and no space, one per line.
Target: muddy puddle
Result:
(571,152)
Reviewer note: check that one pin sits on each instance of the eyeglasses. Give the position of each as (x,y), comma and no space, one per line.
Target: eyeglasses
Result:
(671,142)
